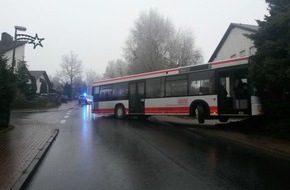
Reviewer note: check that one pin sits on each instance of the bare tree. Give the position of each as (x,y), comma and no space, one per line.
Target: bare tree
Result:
(71,67)
(80,86)
(182,51)
(58,80)
(116,68)
(154,44)
(91,76)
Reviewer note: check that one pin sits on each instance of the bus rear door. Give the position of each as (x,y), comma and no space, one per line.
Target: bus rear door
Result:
(136,97)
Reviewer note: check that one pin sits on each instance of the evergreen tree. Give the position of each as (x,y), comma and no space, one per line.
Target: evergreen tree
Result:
(26,83)
(7,92)
(67,91)
(270,66)
(43,87)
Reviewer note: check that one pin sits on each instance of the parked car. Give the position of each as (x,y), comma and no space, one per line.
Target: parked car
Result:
(85,99)
(89,99)
(82,99)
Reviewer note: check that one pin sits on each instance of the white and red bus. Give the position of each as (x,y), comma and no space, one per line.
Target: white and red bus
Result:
(215,90)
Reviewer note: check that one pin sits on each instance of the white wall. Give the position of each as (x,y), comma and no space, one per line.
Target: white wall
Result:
(19,55)
(236,44)
(38,84)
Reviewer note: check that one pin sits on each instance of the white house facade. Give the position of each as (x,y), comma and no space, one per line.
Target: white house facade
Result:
(41,78)
(6,48)
(235,43)
(19,54)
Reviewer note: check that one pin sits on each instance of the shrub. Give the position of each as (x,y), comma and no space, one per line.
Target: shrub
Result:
(7,91)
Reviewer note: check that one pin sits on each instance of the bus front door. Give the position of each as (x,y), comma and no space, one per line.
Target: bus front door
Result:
(136,97)
(233,92)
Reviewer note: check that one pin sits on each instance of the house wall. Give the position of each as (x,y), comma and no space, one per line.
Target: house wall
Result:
(236,45)
(19,55)
(38,84)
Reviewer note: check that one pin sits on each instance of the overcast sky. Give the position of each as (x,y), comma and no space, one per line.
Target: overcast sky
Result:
(97,30)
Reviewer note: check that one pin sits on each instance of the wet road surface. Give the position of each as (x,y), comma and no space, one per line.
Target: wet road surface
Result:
(93,152)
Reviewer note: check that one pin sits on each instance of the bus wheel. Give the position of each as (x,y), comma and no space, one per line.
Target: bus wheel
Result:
(119,112)
(223,119)
(199,113)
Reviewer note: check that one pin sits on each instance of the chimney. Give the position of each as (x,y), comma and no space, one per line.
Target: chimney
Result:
(6,38)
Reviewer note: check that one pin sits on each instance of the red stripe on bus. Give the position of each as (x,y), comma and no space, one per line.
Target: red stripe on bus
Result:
(184,110)
(230,61)
(158,110)
(107,111)
(103,111)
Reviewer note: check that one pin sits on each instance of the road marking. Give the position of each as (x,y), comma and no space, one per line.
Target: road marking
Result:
(62,121)
(66,116)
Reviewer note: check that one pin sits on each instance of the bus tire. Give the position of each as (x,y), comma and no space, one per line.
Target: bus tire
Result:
(119,112)
(199,113)
(223,119)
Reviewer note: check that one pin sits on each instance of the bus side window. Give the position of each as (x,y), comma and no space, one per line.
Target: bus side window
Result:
(202,83)
(194,88)
(120,91)
(95,93)
(176,85)
(154,88)
(106,92)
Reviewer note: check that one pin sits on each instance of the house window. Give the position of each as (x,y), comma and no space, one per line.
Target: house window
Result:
(233,56)
(242,53)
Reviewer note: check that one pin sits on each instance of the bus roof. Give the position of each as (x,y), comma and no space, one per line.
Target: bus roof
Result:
(138,76)
(167,72)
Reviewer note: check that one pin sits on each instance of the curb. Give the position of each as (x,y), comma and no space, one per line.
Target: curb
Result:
(25,178)
(5,130)
(240,144)
(41,110)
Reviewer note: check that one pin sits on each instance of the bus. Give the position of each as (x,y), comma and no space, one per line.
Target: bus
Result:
(216,90)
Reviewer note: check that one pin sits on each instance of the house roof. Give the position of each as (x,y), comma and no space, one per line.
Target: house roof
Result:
(248,27)
(38,74)
(7,43)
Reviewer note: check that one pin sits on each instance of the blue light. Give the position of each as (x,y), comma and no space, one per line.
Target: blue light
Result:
(85,94)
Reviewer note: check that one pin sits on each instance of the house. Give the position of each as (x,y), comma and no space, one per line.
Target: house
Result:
(43,83)
(6,48)
(234,43)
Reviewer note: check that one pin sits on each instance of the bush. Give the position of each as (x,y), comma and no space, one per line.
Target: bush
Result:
(7,91)
(40,102)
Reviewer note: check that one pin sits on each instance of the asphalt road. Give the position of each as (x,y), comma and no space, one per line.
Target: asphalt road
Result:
(94,152)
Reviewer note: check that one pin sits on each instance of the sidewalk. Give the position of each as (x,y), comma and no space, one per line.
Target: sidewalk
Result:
(63,106)
(22,148)
(270,145)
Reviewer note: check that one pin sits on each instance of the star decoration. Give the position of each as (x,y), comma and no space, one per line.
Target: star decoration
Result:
(36,41)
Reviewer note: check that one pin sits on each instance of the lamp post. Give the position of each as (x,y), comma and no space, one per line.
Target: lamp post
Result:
(36,41)
(20,28)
